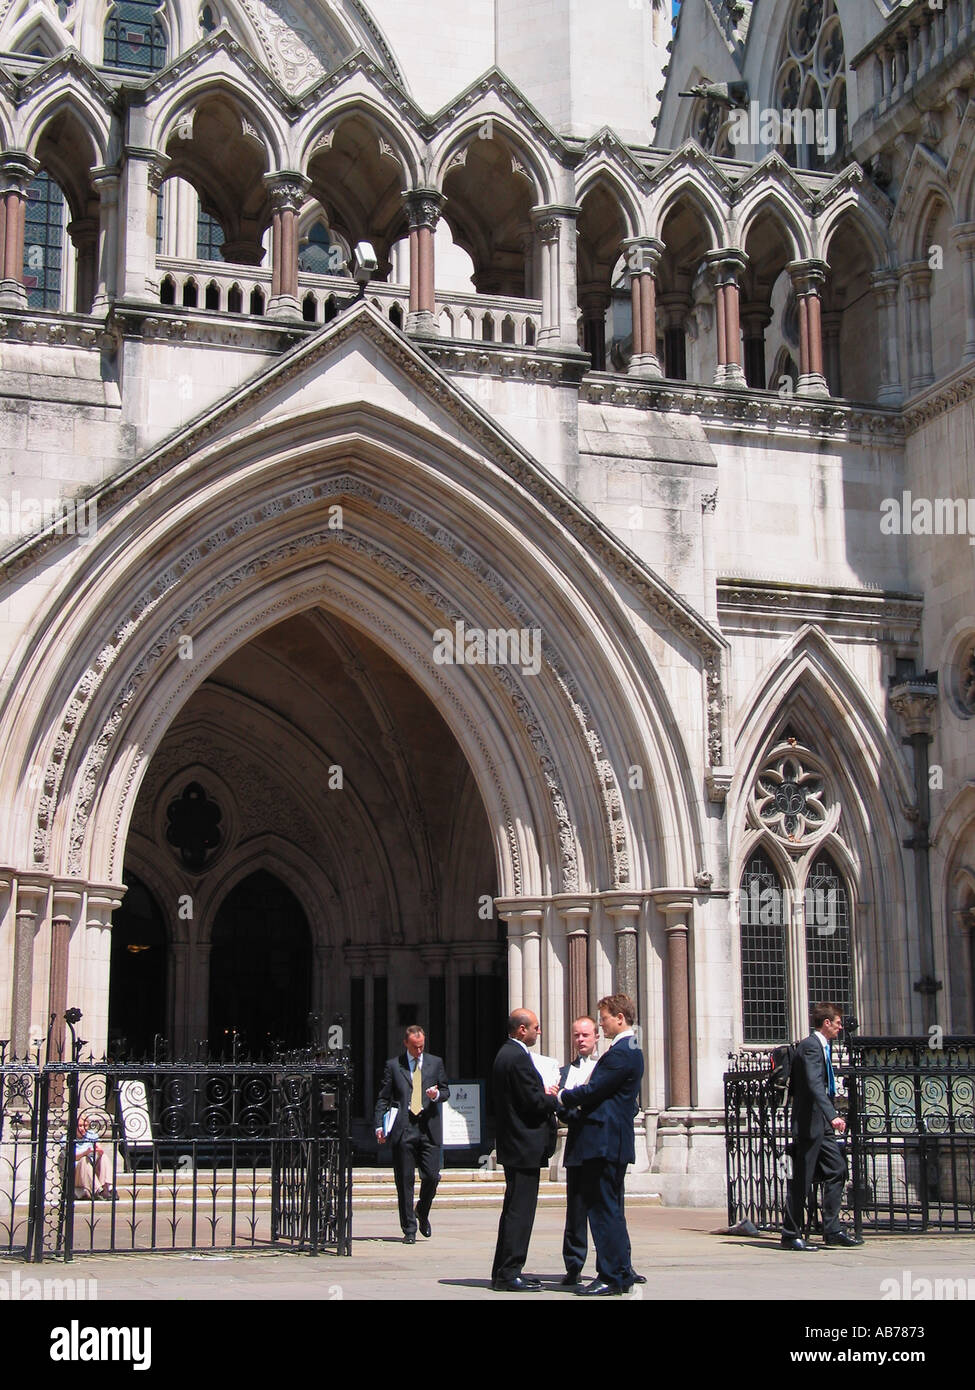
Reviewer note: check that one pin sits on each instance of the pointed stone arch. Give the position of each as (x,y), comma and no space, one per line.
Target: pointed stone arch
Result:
(517,143)
(809,684)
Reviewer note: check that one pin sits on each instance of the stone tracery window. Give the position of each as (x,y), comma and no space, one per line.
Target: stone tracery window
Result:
(795,921)
(811,78)
(709,127)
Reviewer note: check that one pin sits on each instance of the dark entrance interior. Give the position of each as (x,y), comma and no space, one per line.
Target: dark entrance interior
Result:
(260,969)
(137,993)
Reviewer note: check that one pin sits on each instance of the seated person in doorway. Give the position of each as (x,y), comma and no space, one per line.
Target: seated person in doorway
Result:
(92,1166)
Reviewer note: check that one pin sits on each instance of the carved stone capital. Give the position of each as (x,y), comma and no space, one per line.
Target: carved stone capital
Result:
(808,277)
(423,207)
(286,190)
(915,702)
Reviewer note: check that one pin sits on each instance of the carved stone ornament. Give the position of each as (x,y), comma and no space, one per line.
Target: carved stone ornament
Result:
(791,798)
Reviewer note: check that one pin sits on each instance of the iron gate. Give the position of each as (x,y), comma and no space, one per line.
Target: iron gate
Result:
(910,1141)
(108,1157)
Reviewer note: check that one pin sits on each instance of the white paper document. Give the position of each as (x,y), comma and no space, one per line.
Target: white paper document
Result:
(547,1068)
(389,1119)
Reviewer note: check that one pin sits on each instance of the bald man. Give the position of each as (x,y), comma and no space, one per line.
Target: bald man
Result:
(524,1112)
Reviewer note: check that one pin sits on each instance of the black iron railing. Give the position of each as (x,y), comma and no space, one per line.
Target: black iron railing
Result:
(910,1141)
(109,1156)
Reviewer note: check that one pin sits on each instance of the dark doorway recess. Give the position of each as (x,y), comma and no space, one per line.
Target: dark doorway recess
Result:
(137,993)
(260,968)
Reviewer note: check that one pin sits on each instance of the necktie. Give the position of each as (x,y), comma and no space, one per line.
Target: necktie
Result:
(830,1074)
(416,1096)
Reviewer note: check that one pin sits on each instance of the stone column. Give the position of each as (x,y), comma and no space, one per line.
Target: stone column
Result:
(594,304)
(807,280)
(142,175)
(915,700)
(755,319)
(66,900)
(524,918)
(885,284)
(106,181)
(917,282)
(286,190)
(726,265)
(555,228)
(16,171)
(576,918)
(643,256)
(83,232)
(423,207)
(964,234)
(678,919)
(101,902)
(31,898)
(624,916)
(832,326)
(675,306)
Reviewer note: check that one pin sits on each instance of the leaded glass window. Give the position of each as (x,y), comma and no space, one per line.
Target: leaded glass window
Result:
(43,242)
(134,37)
(828,955)
(209,237)
(761,915)
(314,255)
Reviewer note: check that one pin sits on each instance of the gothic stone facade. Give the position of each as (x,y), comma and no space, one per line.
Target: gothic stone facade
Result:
(672,393)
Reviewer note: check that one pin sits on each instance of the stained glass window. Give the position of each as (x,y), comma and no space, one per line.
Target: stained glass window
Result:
(43,243)
(827,913)
(209,237)
(134,37)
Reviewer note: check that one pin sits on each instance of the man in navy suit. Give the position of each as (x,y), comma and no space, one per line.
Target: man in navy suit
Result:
(575,1237)
(524,1114)
(416,1083)
(601,1143)
(816,1155)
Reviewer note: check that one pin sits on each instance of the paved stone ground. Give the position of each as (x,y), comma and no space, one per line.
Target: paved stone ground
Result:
(676,1249)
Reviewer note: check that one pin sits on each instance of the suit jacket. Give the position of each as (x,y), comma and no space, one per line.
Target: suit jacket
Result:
(607,1105)
(812,1108)
(397,1088)
(524,1115)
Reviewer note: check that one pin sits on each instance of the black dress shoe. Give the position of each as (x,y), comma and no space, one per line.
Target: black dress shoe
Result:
(516,1285)
(795,1243)
(842,1238)
(637,1278)
(410,1239)
(599,1289)
(569,1278)
(424,1224)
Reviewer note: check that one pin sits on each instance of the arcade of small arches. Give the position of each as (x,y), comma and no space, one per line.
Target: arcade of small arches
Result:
(232,199)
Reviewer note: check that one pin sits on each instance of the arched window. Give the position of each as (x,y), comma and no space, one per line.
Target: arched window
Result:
(315,254)
(795,913)
(827,914)
(810,86)
(135,40)
(761,915)
(43,242)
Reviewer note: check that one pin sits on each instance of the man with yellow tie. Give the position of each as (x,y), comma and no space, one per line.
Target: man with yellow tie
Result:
(414,1086)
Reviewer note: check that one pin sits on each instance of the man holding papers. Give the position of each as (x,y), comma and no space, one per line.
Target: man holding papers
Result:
(408,1116)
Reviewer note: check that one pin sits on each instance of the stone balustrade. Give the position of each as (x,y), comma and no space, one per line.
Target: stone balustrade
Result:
(220,288)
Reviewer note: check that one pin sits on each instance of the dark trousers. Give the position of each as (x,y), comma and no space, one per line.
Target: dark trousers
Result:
(575,1239)
(517,1219)
(602,1189)
(415,1150)
(815,1161)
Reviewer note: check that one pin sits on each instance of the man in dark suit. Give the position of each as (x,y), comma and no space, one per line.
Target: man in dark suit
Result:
(601,1144)
(416,1083)
(575,1242)
(524,1112)
(816,1156)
